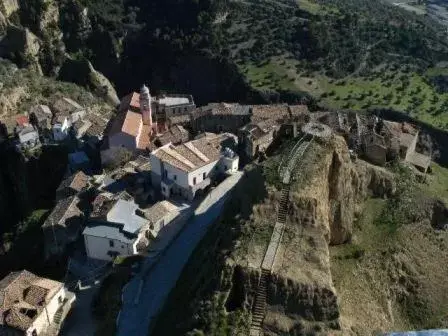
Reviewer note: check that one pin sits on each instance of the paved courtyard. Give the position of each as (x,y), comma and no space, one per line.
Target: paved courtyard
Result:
(145,295)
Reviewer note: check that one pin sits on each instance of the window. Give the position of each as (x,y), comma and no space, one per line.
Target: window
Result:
(225,167)
(111,243)
(194,180)
(165,173)
(204,176)
(175,177)
(163,189)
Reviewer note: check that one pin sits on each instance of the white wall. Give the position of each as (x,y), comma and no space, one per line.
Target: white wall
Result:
(97,247)
(198,173)
(172,172)
(123,140)
(230,163)
(41,322)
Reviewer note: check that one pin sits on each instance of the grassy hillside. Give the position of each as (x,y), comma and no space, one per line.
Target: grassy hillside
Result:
(349,54)
(395,280)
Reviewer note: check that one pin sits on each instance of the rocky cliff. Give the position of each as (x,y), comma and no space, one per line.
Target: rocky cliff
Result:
(327,194)
(32,35)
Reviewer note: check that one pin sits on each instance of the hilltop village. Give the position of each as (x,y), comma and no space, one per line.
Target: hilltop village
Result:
(138,175)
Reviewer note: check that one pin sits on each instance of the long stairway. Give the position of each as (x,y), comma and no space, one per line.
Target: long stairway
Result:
(286,170)
(259,308)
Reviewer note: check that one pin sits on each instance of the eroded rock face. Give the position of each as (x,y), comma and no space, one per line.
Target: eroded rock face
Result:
(339,185)
(312,302)
(8,7)
(83,73)
(10,100)
(439,215)
(23,44)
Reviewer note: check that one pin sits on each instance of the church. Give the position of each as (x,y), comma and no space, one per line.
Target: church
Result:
(142,117)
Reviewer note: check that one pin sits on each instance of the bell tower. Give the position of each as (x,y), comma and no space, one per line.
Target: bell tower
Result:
(145,105)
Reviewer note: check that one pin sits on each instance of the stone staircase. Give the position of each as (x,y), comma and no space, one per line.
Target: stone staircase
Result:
(284,200)
(259,308)
(286,169)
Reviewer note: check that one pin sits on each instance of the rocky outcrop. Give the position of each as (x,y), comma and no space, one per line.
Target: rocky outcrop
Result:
(3,24)
(339,185)
(32,35)
(8,7)
(82,73)
(10,100)
(76,24)
(23,46)
(438,214)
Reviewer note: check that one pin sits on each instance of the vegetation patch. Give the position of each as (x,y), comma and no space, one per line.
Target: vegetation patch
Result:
(107,303)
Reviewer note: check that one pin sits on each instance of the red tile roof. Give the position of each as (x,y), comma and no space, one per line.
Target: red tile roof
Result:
(22,120)
(128,122)
(130,102)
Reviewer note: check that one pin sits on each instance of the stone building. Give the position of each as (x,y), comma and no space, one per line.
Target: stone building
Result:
(255,138)
(31,305)
(172,105)
(220,117)
(386,140)
(41,116)
(63,226)
(163,107)
(175,135)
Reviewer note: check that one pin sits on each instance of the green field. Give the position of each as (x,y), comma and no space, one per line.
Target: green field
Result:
(397,89)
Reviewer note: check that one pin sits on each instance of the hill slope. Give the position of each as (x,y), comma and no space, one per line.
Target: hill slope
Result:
(349,54)
(386,277)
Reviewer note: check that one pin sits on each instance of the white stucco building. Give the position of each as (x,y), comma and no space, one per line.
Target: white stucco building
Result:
(31,305)
(189,168)
(28,137)
(127,230)
(61,128)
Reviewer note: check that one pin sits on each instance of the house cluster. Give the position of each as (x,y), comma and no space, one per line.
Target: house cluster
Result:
(45,124)
(178,152)
(145,123)
(31,305)
(116,213)
(377,140)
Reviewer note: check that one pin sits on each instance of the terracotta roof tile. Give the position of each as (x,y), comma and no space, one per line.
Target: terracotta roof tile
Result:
(22,120)
(130,102)
(276,112)
(128,122)
(192,155)
(22,298)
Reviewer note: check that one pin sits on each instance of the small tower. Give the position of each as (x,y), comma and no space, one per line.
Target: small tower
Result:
(145,105)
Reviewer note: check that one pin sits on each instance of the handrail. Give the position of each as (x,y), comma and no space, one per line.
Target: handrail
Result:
(298,143)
